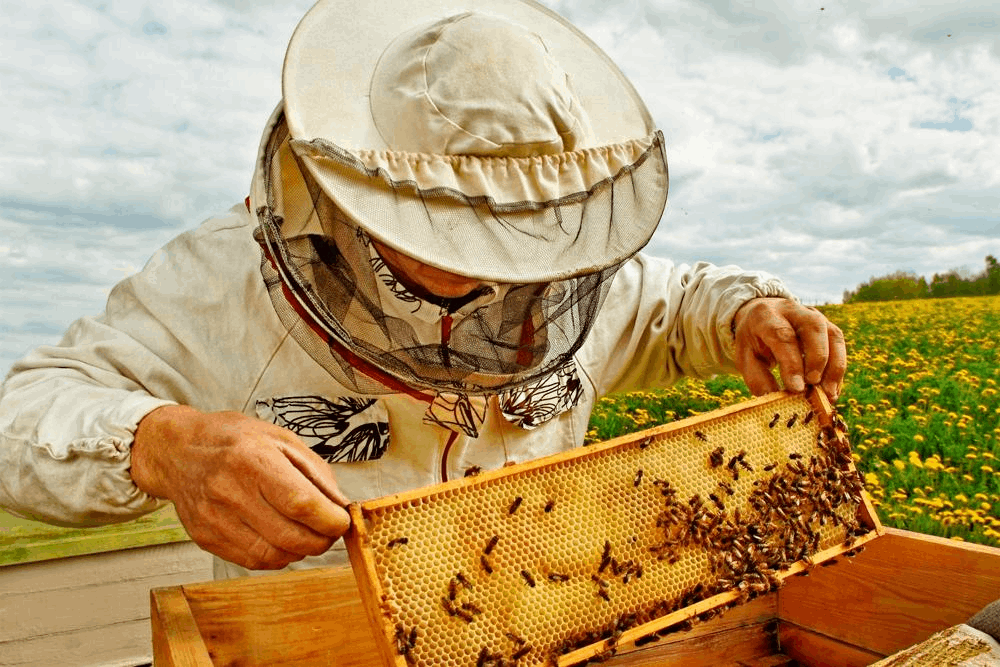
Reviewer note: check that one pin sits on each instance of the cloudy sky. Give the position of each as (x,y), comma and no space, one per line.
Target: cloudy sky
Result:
(821,140)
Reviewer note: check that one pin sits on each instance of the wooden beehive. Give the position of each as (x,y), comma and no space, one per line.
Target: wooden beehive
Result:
(565,558)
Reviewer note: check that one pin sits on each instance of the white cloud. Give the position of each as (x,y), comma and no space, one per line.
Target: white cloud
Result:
(825,146)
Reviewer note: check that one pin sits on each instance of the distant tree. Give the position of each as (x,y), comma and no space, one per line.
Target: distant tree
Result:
(908,285)
(892,287)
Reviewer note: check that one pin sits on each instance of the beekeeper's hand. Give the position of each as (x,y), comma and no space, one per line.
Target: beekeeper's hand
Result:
(806,346)
(246,490)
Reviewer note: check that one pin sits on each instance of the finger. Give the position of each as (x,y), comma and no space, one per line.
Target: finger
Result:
(783,343)
(757,373)
(284,532)
(317,471)
(295,496)
(836,367)
(814,342)
(234,541)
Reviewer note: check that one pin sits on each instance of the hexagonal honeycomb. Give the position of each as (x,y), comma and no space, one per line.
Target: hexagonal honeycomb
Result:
(520,565)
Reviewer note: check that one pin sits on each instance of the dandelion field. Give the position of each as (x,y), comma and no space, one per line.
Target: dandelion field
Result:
(921,398)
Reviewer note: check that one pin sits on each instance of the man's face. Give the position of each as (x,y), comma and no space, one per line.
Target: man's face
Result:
(424,280)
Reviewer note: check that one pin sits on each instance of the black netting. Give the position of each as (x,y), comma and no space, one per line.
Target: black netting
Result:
(338,299)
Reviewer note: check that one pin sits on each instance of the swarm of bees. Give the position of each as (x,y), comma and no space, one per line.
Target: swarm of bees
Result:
(750,539)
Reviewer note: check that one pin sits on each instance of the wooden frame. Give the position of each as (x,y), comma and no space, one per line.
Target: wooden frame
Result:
(386,625)
(899,591)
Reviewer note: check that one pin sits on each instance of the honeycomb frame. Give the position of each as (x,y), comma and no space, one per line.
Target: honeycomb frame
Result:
(544,563)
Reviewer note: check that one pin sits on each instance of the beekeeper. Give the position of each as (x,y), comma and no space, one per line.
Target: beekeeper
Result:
(437,270)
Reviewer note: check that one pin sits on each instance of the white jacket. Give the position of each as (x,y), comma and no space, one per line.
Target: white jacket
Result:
(197,327)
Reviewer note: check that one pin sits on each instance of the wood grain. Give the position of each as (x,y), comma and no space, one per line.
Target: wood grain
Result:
(312,617)
(816,650)
(899,591)
(172,618)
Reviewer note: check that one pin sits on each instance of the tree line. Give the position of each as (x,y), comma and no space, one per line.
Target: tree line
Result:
(908,285)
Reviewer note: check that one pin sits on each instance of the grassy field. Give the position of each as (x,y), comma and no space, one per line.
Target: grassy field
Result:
(921,398)
(922,401)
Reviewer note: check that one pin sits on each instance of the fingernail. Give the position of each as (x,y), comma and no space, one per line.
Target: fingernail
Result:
(796,384)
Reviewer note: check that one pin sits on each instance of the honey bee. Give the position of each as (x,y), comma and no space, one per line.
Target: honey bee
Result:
(715,459)
(638,477)
(794,455)
(549,505)
(774,420)
(460,578)
(397,542)
(600,582)
(472,471)
(521,652)
(770,466)
(452,589)
(558,577)
(486,565)
(718,503)
(646,442)
(603,594)
(528,578)
(791,420)
(808,418)
(471,608)
(728,488)
(492,543)
(701,436)
(514,505)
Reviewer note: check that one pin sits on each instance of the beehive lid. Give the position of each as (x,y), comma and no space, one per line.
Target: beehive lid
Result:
(564,558)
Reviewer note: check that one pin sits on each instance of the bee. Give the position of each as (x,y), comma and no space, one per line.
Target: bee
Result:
(715,459)
(736,474)
(791,420)
(449,606)
(718,503)
(472,471)
(471,608)
(528,578)
(397,542)
(770,466)
(701,436)
(521,652)
(486,565)
(808,418)
(638,477)
(728,488)
(603,594)
(794,455)
(549,505)
(646,442)
(746,465)
(600,582)
(774,420)
(558,577)
(647,639)
(492,543)
(460,578)
(464,615)
(828,563)
(605,556)
(452,589)
(514,505)
(732,462)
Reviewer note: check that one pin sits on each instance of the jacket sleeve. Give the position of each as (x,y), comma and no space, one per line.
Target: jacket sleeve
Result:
(177,332)
(662,321)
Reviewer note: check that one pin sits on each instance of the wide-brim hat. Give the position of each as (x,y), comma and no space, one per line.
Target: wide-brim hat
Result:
(489,138)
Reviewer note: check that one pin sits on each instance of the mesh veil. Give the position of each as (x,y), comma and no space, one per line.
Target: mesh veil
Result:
(343,306)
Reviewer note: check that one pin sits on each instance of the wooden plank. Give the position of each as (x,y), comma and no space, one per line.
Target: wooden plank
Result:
(734,647)
(312,617)
(811,648)
(108,646)
(177,641)
(369,586)
(899,591)
(24,541)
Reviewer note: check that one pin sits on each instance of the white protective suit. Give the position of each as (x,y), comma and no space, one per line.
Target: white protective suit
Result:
(197,327)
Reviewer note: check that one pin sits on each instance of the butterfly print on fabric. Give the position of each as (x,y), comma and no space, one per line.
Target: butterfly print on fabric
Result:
(340,430)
